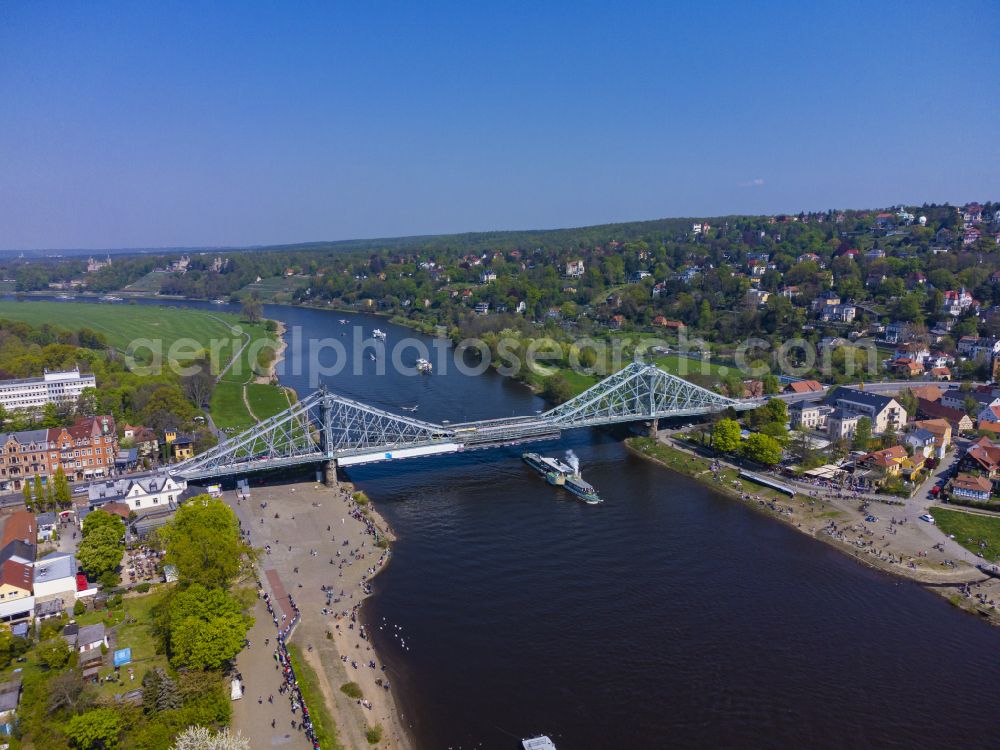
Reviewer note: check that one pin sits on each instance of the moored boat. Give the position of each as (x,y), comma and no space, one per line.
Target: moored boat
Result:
(541,742)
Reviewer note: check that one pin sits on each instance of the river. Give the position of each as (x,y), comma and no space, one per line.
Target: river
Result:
(668,616)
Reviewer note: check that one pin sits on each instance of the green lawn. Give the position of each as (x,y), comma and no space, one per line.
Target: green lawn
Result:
(326,730)
(266,400)
(973,531)
(137,634)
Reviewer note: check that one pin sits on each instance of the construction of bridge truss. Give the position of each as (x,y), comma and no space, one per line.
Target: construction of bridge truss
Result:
(331,429)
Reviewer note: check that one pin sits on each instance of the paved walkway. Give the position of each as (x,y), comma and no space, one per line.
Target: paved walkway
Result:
(262,679)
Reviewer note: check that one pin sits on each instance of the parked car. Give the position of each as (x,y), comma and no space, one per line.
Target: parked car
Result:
(927,517)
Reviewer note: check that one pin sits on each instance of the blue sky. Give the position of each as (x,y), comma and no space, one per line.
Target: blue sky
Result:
(167,124)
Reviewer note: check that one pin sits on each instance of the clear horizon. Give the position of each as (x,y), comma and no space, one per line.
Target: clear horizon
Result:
(239,125)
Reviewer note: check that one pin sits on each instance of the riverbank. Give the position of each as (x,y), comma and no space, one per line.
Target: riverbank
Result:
(270,374)
(320,545)
(892,542)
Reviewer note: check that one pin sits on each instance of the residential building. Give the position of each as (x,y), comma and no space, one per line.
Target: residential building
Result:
(885,463)
(85,638)
(54,576)
(990,414)
(55,387)
(956,398)
(809,415)
(971,487)
(804,386)
(956,303)
(182,447)
(896,331)
(841,424)
(137,491)
(838,313)
(905,367)
(574,269)
(15,581)
(921,441)
(20,526)
(826,299)
(957,418)
(941,430)
(481,308)
(885,412)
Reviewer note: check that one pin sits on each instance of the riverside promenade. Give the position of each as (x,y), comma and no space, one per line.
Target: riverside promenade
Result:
(309,537)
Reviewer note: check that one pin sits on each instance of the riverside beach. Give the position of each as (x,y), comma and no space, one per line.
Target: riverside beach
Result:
(318,545)
(876,533)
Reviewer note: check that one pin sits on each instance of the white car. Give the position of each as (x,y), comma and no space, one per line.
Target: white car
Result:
(927,517)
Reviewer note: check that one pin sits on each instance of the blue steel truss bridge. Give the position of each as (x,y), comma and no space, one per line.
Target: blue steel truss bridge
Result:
(328,429)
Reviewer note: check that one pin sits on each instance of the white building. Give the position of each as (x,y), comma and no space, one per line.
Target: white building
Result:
(55,576)
(139,491)
(574,269)
(53,387)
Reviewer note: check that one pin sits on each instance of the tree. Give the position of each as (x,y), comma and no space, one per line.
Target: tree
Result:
(726,436)
(777,410)
(39,492)
(557,389)
(252,310)
(778,431)
(159,692)
(54,654)
(206,627)
(763,449)
(26,489)
(66,692)
(198,386)
(63,494)
(100,519)
(862,434)
(100,551)
(203,540)
(202,738)
(99,729)
(50,415)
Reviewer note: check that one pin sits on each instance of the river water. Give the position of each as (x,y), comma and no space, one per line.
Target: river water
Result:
(668,616)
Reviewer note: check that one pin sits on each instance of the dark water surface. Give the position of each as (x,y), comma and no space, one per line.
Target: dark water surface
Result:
(669,616)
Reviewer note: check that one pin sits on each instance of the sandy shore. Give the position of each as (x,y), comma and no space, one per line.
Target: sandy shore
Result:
(892,543)
(279,355)
(319,537)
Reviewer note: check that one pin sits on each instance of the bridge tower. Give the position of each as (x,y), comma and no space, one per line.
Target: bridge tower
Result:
(326,444)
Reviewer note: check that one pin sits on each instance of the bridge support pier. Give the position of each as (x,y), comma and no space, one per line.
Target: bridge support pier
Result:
(330,473)
(654,426)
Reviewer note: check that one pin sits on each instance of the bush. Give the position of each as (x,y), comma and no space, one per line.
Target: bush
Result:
(109,579)
(79,608)
(143,587)
(374,734)
(352,690)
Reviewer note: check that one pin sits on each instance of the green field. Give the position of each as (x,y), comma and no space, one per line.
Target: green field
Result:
(977,533)
(124,324)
